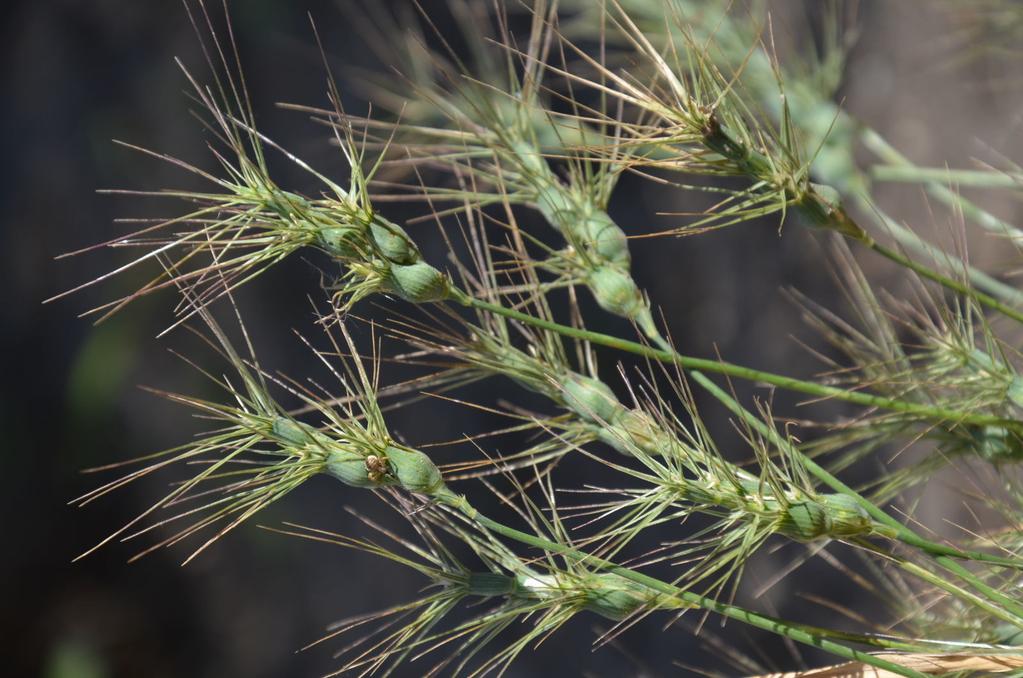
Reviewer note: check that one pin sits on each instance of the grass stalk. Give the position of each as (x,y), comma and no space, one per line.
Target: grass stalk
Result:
(824,639)
(938,188)
(947,282)
(960,177)
(732,370)
(943,554)
(824,124)
(533,128)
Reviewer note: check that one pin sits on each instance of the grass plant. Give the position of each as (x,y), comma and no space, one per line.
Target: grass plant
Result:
(518,131)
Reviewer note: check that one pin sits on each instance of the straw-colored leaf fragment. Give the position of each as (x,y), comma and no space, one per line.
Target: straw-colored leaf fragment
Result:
(934,664)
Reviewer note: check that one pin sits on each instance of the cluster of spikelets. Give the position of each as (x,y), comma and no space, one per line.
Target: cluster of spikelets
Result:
(549,125)
(493,131)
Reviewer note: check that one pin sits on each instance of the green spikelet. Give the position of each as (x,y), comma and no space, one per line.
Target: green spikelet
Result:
(616,292)
(1007,634)
(414,471)
(340,242)
(804,521)
(590,398)
(291,431)
(613,597)
(822,206)
(996,443)
(284,203)
(606,239)
(636,430)
(846,517)
(556,207)
(393,243)
(833,515)
(419,282)
(345,465)
(531,160)
(350,469)
(1015,392)
(490,584)
(517,365)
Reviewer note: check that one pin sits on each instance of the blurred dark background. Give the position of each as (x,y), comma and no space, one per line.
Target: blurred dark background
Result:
(76,75)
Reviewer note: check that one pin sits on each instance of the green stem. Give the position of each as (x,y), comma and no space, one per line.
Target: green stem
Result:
(938,188)
(910,240)
(836,167)
(948,587)
(801,633)
(975,178)
(757,168)
(943,554)
(876,143)
(945,281)
(739,371)
(753,164)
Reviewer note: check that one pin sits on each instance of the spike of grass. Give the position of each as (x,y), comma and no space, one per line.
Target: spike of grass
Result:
(688,104)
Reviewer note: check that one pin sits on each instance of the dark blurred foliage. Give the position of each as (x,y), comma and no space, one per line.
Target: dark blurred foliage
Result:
(74,76)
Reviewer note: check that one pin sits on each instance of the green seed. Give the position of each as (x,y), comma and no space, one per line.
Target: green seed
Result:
(291,431)
(640,429)
(393,243)
(556,207)
(634,430)
(419,283)
(490,584)
(996,443)
(846,517)
(616,292)
(1008,634)
(350,469)
(519,366)
(617,438)
(606,238)
(532,161)
(340,242)
(345,465)
(286,204)
(590,398)
(804,521)
(613,597)
(414,471)
(828,195)
(822,206)
(833,515)
(1015,392)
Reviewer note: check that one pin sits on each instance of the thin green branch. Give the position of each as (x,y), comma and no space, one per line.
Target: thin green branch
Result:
(959,177)
(741,372)
(940,191)
(936,581)
(824,639)
(946,282)
(910,240)
(942,554)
